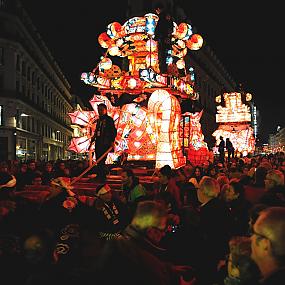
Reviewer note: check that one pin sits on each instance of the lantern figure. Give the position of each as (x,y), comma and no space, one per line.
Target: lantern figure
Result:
(180,64)
(195,42)
(105,63)
(114,51)
(151,45)
(151,60)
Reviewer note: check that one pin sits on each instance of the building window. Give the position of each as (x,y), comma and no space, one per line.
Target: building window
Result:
(1,81)
(38,83)
(33,77)
(29,74)
(1,115)
(24,68)
(18,63)
(1,56)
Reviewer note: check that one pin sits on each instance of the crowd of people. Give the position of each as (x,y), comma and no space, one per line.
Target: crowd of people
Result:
(219,223)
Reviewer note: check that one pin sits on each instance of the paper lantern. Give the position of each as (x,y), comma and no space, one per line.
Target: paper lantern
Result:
(195,42)
(79,145)
(105,63)
(114,30)
(82,118)
(114,51)
(180,64)
(104,40)
(181,30)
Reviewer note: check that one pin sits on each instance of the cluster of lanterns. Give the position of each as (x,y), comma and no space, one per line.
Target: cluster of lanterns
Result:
(146,133)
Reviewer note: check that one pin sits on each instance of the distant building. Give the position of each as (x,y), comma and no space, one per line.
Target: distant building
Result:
(277,141)
(34,94)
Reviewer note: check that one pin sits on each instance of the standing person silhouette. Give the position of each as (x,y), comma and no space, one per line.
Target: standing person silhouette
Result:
(230,149)
(104,137)
(163,34)
(221,149)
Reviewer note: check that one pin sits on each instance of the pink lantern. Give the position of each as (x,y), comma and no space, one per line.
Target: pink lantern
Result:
(82,118)
(105,41)
(79,145)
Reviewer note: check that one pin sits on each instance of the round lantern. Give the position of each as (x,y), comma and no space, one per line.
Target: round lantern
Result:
(181,30)
(104,40)
(114,51)
(132,83)
(105,63)
(180,64)
(195,42)
(114,30)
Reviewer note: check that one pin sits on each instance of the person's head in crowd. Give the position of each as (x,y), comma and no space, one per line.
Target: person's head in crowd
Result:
(37,179)
(188,170)
(23,167)
(48,167)
(37,247)
(245,179)
(266,164)
(164,174)
(197,172)
(212,171)
(67,171)
(259,176)
(61,165)
(128,177)
(80,164)
(241,163)
(233,164)
(32,165)
(268,242)
(222,180)
(245,169)
(254,212)
(274,178)
(104,192)
(151,219)
(234,191)
(240,267)
(4,167)
(208,189)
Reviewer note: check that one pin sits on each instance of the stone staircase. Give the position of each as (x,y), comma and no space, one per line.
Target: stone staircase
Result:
(86,186)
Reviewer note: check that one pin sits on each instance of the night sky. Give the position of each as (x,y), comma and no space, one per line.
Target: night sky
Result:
(245,37)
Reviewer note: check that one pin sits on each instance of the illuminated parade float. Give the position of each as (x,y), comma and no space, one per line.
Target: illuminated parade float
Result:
(235,121)
(144,103)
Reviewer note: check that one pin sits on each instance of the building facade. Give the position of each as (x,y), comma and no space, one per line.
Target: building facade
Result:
(34,94)
(277,141)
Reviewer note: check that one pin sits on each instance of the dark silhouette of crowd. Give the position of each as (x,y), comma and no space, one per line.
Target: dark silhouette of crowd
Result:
(216,223)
